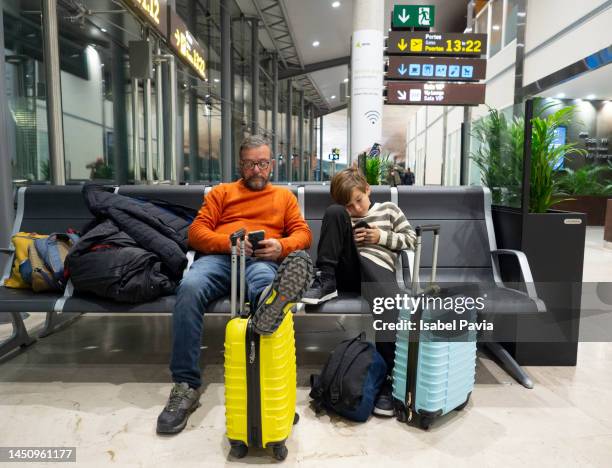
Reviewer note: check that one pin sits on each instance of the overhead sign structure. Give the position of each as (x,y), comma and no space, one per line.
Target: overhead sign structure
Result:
(435,94)
(436,68)
(413,16)
(186,45)
(154,12)
(426,43)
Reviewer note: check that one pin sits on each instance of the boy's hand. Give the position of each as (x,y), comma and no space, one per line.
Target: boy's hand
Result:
(272,249)
(365,236)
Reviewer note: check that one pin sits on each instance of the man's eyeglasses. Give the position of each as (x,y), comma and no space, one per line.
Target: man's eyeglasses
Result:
(248,165)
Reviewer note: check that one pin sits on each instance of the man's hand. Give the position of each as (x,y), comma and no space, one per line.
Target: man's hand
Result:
(271,250)
(365,236)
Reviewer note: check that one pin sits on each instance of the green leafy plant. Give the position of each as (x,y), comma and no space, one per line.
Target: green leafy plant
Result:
(545,189)
(586,180)
(100,169)
(500,155)
(372,170)
(45,170)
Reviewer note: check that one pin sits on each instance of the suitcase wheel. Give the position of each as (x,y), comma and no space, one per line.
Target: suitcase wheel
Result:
(238,449)
(401,415)
(280,452)
(463,405)
(296,419)
(425,423)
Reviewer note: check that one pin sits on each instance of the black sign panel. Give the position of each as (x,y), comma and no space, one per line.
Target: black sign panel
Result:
(436,68)
(427,43)
(435,94)
(186,45)
(153,12)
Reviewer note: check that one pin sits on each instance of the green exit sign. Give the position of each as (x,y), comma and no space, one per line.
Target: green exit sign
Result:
(413,16)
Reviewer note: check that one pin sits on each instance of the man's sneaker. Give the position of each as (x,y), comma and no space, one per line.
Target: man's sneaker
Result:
(182,402)
(292,279)
(384,403)
(323,289)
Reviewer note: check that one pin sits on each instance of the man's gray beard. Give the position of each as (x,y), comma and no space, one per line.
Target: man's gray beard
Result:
(256,183)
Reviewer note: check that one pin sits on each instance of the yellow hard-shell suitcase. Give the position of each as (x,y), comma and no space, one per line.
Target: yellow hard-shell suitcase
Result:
(260,379)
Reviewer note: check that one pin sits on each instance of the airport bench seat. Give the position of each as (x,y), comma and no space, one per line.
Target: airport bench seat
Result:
(467,251)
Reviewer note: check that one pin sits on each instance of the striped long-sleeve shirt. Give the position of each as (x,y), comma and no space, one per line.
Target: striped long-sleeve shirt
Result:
(395,234)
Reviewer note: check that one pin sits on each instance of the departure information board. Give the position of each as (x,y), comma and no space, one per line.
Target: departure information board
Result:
(186,45)
(426,43)
(154,12)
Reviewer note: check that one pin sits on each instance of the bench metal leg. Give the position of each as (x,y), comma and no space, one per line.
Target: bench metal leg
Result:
(56,321)
(19,338)
(509,364)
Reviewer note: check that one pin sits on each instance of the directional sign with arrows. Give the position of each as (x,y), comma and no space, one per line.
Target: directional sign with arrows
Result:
(436,68)
(435,94)
(413,16)
(425,43)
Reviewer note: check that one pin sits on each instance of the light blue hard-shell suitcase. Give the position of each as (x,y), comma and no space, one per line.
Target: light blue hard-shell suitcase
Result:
(433,373)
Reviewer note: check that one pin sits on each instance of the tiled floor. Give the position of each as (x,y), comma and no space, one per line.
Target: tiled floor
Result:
(99,385)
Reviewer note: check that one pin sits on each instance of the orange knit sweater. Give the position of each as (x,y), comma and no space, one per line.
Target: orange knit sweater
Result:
(229,207)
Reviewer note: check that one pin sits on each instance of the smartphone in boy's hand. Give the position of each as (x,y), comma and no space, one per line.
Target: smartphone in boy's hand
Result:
(361,224)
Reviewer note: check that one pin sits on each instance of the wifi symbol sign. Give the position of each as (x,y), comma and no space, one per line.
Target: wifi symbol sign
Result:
(372,116)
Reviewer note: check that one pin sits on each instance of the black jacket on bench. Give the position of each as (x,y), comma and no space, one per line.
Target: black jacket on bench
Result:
(135,250)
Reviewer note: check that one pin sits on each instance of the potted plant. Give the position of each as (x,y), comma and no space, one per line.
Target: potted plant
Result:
(499,156)
(376,165)
(552,240)
(587,191)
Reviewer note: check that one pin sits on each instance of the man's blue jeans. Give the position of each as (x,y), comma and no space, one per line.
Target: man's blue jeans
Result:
(207,279)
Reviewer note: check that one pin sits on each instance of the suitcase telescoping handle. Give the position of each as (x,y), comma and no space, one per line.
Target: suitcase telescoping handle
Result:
(234,238)
(435,228)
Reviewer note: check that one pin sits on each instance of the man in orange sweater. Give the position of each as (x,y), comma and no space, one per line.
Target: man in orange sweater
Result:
(251,203)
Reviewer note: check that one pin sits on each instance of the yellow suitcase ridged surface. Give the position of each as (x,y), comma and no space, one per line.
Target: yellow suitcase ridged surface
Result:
(277,371)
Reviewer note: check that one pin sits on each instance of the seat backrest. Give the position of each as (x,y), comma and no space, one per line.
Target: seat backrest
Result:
(464,249)
(191,196)
(46,208)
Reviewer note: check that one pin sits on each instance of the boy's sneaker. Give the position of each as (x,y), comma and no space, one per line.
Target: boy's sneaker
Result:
(182,402)
(323,289)
(384,403)
(292,279)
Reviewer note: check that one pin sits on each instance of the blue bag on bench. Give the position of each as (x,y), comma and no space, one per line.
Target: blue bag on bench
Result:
(350,380)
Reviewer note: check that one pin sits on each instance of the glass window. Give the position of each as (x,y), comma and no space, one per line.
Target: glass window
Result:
(495,36)
(452,162)
(511,20)
(26,92)
(482,21)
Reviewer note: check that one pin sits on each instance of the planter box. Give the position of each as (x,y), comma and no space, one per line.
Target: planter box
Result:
(554,245)
(593,207)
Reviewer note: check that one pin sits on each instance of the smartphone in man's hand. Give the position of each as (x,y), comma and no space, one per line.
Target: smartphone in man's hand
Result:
(255,237)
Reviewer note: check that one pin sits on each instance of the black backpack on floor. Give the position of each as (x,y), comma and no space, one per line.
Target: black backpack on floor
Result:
(350,380)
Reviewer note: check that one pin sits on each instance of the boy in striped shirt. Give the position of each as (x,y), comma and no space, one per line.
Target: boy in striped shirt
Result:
(359,243)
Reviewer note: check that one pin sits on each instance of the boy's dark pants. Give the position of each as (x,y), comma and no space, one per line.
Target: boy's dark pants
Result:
(337,255)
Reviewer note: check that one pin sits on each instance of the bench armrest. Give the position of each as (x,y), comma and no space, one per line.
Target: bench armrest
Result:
(524,267)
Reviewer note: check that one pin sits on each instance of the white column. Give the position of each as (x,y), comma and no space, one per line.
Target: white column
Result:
(366,76)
